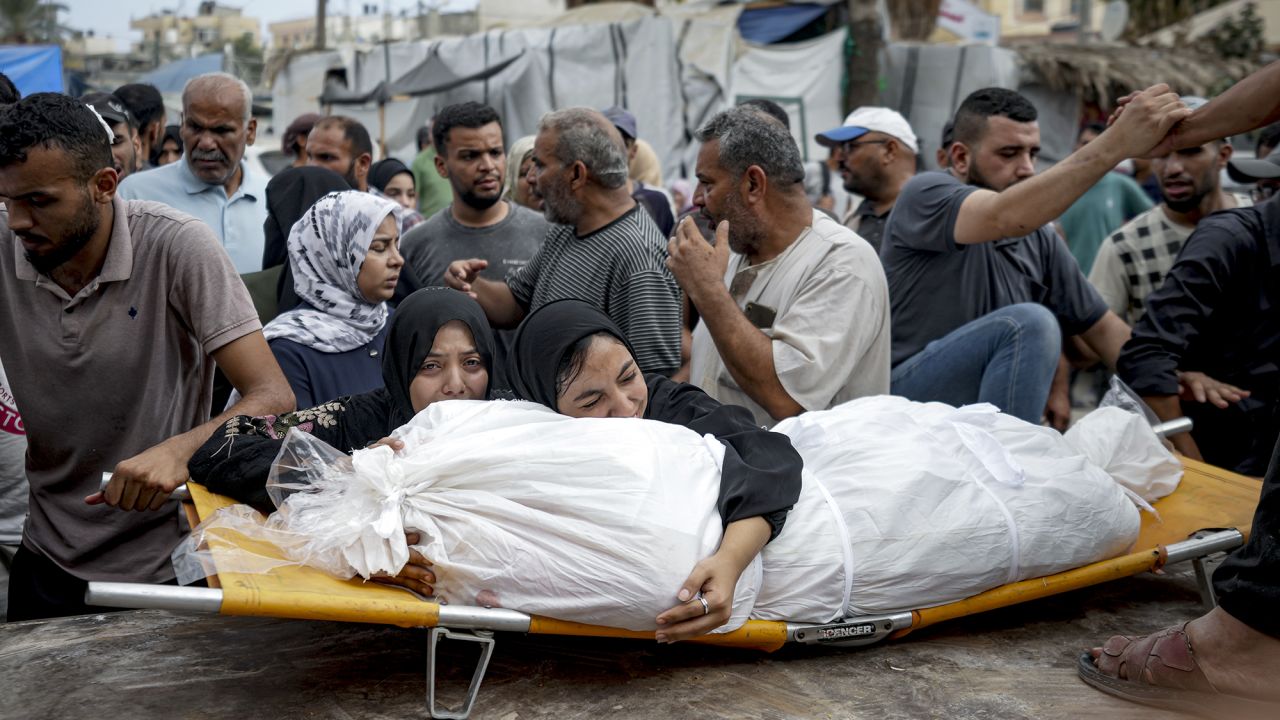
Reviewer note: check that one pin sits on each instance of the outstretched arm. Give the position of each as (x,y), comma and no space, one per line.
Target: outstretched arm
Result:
(987,215)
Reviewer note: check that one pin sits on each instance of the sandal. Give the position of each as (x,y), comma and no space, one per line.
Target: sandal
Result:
(1160,670)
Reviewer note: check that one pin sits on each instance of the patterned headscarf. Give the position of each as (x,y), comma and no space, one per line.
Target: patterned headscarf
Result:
(327,246)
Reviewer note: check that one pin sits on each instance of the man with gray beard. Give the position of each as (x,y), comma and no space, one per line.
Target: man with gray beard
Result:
(213,183)
(794,306)
(604,248)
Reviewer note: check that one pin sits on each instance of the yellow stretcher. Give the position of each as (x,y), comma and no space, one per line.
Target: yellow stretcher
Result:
(1210,512)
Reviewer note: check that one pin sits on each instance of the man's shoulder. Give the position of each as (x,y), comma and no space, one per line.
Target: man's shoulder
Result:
(165,177)
(842,244)
(527,217)
(159,225)
(931,181)
(1143,229)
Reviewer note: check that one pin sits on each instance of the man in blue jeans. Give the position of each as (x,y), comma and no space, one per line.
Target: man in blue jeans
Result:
(981,287)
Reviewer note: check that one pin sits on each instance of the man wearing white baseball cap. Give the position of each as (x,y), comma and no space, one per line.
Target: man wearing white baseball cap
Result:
(875,153)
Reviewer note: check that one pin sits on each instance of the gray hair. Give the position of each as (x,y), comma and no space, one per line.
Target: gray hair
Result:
(749,138)
(584,135)
(216,80)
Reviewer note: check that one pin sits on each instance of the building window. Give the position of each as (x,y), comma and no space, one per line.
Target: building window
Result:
(1033,7)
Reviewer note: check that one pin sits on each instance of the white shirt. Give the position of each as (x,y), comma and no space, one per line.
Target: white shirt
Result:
(830,328)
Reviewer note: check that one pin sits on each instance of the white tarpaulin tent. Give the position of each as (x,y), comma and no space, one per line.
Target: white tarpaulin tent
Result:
(673,72)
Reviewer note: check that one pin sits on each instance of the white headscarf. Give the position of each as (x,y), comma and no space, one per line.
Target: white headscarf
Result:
(327,246)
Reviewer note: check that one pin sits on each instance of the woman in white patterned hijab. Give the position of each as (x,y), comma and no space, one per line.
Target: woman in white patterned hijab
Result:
(346,262)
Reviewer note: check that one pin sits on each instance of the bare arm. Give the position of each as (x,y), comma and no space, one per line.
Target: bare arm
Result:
(499,304)
(1168,407)
(747,353)
(1105,338)
(1249,104)
(715,579)
(144,481)
(986,215)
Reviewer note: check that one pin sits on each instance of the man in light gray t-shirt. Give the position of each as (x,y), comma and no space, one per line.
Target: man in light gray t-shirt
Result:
(478,223)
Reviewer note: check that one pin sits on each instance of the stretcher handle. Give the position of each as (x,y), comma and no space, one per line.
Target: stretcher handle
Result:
(179,493)
(1175,426)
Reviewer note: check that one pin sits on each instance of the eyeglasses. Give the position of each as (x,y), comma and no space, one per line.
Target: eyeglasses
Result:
(849,146)
(1264,190)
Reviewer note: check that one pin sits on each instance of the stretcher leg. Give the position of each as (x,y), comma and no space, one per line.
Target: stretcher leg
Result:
(434,636)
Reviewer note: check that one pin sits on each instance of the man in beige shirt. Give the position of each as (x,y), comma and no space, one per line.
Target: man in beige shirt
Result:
(794,306)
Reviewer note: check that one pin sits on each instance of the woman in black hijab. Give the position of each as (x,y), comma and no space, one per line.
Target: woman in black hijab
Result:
(439,347)
(572,358)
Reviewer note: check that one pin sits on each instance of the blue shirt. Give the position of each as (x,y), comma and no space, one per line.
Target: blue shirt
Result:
(236,220)
(318,377)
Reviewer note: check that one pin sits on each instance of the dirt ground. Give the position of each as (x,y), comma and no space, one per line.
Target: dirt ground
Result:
(1009,664)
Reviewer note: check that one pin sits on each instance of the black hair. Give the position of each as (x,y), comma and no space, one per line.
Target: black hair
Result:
(469,114)
(54,120)
(424,137)
(948,134)
(352,130)
(575,357)
(1269,137)
(8,91)
(971,117)
(171,132)
(770,108)
(144,101)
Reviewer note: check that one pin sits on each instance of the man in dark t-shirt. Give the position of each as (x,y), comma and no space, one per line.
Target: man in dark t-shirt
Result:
(478,223)
(982,290)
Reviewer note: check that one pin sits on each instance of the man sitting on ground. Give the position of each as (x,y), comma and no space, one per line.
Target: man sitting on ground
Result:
(982,288)
(603,248)
(875,151)
(794,306)
(1132,263)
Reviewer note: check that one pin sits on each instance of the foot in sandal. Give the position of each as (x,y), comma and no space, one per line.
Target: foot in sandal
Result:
(1214,665)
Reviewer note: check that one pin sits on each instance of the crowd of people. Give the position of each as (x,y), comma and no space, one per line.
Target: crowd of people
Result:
(202,310)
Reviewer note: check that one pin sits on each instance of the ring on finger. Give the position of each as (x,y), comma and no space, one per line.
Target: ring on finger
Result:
(706,608)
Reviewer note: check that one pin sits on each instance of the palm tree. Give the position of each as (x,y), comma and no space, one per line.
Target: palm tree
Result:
(30,21)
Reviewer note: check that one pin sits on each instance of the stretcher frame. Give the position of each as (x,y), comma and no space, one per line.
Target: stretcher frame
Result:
(1209,514)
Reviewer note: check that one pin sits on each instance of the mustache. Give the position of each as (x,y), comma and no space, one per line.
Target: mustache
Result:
(209,155)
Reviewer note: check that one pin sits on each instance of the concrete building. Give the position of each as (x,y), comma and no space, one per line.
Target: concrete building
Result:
(167,36)
(370,27)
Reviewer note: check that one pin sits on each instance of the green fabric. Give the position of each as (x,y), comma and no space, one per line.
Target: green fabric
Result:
(262,290)
(1110,203)
(434,192)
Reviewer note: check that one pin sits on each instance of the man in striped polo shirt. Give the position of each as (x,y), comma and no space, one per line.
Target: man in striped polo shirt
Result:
(602,249)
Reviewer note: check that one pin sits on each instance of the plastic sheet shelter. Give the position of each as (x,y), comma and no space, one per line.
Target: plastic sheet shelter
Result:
(172,77)
(672,70)
(33,68)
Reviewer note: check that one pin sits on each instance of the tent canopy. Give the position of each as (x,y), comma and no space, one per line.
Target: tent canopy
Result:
(33,68)
(771,24)
(172,77)
(429,76)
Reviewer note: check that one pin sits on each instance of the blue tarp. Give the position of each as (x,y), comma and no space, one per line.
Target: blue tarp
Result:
(173,76)
(33,68)
(769,25)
